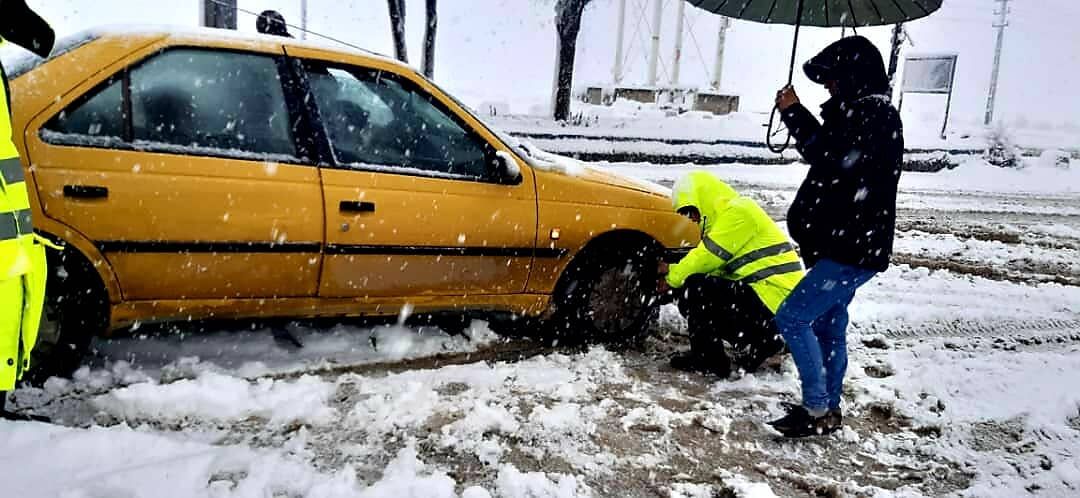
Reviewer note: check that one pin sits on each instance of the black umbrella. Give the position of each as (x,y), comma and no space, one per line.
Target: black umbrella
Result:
(23,27)
(819,13)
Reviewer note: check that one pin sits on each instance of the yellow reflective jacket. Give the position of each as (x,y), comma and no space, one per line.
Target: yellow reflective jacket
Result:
(22,259)
(738,241)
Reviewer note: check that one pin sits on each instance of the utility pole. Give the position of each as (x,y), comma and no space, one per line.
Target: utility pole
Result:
(654,54)
(219,14)
(894,56)
(620,31)
(303,19)
(721,40)
(1003,21)
(680,23)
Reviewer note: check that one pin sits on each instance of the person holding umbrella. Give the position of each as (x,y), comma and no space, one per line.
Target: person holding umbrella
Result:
(843,218)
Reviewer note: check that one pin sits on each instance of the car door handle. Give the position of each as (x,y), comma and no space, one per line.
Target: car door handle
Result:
(356,207)
(85,192)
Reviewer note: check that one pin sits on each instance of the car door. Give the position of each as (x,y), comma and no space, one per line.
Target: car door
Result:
(413,205)
(184,170)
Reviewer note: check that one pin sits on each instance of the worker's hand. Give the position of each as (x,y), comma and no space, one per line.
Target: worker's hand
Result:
(786,98)
(662,268)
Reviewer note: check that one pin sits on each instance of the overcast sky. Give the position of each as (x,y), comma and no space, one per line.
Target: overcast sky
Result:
(503,50)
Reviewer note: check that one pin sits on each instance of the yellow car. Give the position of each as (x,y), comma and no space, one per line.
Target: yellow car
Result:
(208,174)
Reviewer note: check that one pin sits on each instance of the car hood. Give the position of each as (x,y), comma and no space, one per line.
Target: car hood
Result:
(568,166)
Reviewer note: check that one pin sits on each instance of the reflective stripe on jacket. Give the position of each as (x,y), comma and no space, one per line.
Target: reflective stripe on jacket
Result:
(738,241)
(22,260)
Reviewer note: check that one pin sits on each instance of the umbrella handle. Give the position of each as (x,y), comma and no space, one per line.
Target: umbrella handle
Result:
(780,148)
(775,148)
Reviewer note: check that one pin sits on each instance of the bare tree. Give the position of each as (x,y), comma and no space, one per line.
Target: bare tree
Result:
(429,39)
(567,26)
(397,28)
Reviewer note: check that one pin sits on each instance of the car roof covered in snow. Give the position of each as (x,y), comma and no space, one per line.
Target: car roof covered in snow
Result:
(200,35)
(18,61)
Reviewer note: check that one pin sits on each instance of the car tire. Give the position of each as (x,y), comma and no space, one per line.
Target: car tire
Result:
(607,296)
(76,311)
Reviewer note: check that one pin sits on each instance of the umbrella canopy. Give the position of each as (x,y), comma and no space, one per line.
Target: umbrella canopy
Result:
(822,13)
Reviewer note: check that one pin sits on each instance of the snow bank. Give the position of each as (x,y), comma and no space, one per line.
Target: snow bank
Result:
(255,353)
(213,396)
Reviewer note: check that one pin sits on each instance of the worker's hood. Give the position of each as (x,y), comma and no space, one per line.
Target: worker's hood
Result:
(854,63)
(704,191)
(22,26)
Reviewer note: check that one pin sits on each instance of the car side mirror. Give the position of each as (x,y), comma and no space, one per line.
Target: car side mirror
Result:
(506,168)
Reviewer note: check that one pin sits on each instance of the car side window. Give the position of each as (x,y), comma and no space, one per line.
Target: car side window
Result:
(186,101)
(98,115)
(216,100)
(373,119)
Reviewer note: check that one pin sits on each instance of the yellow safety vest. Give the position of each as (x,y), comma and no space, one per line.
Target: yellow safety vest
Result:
(23,269)
(739,241)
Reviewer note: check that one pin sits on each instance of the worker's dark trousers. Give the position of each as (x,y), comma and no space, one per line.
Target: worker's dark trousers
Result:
(719,310)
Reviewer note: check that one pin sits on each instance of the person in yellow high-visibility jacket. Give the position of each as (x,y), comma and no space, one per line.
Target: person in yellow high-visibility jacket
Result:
(729,286)
(22,254)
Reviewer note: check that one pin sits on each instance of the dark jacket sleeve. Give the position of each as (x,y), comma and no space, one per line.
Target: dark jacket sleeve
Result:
(827,148)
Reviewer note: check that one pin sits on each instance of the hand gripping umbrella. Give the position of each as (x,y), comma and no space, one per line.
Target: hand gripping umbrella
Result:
(818,13)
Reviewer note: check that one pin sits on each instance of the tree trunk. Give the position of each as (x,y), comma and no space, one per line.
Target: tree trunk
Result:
(567,26)
(397,28)
(429,39)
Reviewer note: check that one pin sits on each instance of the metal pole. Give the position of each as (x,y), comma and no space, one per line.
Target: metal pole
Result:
(795,44)
(721,40)
(620,32)
(219,14)
(680,16)
(303,19)
(780,148)
(948,102)
(1001,24)
(894,55)
(654,55)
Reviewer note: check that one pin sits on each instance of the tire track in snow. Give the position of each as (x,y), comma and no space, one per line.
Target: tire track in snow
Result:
(1039,331)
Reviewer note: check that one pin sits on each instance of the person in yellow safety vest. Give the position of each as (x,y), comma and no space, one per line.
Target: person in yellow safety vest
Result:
(729,286)
(22,254)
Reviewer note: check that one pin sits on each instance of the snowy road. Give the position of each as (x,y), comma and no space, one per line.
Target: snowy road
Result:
(965,358)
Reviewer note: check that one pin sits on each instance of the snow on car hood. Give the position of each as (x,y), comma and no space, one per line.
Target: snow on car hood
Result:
(547,161)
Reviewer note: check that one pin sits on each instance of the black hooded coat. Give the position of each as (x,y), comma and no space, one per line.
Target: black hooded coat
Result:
(845,209)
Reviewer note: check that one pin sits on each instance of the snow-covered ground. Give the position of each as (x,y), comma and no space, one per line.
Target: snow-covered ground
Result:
(965,358)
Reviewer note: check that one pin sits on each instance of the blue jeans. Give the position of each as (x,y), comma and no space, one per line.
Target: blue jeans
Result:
(813,321)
